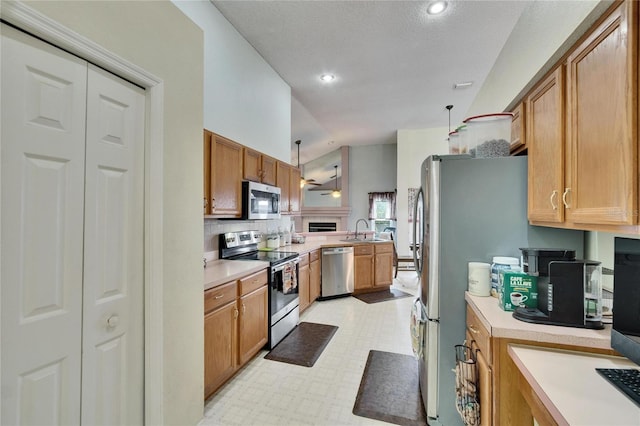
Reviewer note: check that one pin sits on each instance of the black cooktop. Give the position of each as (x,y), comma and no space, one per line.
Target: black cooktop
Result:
(268,256)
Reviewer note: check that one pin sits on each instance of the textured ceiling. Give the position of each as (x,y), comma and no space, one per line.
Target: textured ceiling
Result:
(395,65)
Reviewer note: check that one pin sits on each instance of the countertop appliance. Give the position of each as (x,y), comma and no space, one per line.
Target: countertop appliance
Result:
(569,290)
(337,272)
(284,312)
(473,209)
(260,201)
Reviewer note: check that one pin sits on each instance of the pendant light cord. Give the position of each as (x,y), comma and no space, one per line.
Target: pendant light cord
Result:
(449,107)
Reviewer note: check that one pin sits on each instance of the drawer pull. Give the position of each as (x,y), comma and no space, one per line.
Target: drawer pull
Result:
(220,296)
(473,330)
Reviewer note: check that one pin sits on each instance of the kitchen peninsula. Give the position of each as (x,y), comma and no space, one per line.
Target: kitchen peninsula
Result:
(495,334)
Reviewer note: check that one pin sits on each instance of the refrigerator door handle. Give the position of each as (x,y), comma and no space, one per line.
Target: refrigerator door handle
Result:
(417,328)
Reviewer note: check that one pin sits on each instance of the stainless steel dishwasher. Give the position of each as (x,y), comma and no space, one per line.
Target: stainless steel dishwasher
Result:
(337,272)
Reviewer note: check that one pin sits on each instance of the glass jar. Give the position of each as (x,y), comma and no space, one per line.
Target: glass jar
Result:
(454,145)
(489,135)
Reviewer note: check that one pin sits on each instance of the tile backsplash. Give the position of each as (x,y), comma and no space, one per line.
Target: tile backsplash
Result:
(214,227)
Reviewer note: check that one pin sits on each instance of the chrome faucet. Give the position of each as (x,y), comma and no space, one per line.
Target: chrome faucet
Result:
(360,220)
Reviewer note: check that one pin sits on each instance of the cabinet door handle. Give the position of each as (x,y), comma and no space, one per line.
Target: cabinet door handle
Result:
(473,330)
(564,198)
(553,194)
(244,308)
(204,199)
(213,203)
(235,313)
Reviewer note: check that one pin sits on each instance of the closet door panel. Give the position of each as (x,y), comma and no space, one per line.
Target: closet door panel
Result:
(42,178)
(113,353)
(113,356)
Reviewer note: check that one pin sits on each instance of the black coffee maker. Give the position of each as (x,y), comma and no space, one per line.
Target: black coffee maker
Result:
(569,290)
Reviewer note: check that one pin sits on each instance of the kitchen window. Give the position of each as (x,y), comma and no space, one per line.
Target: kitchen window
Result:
(382,210)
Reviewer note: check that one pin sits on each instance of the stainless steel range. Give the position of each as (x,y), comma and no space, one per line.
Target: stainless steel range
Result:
(284,302)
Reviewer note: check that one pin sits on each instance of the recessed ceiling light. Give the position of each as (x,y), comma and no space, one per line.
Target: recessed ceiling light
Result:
(436,7)
(327,77)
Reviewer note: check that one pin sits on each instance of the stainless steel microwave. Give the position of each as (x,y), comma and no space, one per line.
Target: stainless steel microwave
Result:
(260,201)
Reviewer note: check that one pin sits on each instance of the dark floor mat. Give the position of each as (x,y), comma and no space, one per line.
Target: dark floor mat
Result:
(303,345)
(389,390)
(381,296)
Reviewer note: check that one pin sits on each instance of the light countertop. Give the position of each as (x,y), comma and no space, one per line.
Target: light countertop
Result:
(571,390)
(218,272)
(500,323)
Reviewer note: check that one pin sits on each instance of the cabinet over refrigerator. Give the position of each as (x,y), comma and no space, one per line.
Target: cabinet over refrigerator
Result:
(470,209)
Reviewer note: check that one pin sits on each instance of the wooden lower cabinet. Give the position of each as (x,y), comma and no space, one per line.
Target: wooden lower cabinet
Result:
(383,264)
(304,291)
(315,269)
(309,279)
(253,323)
(373,266)
(220,347)
(363,267)
(501,402)
(236,320)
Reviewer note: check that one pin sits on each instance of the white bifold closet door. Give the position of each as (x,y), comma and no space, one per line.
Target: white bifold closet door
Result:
(72,302)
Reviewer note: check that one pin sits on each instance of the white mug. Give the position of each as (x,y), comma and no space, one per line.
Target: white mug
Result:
(518,299)
(479,279)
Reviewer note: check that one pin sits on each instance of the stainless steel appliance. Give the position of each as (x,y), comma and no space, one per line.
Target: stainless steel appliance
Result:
(569,290)
(473,209)
(284,312)
(337,272)
(260,201)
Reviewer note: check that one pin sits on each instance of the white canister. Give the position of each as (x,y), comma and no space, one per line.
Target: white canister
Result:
(273,241)
(479,279)
(501,263)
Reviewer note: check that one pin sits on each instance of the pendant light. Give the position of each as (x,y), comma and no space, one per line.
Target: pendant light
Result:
(304,181)
(336,192)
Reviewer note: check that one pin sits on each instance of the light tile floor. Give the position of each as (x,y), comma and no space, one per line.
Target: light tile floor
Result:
(268,392)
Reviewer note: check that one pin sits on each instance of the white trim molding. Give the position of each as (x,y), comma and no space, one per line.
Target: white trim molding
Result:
(29,20)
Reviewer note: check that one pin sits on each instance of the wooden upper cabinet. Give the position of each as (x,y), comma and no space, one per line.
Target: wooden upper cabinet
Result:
(252,165)
(294,190)
(518,137)
(602,171)
(545,148)
(226,177)
(269,170)
(206,199)
(283,176)
(258,167)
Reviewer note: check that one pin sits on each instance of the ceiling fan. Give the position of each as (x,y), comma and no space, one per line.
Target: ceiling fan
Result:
(304,181)
(336,192)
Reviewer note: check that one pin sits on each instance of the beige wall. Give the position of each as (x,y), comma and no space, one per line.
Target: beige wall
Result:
(157,37)
(543,33)
(414,146)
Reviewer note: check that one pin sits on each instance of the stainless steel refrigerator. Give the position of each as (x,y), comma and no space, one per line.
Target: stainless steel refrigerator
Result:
(467,209)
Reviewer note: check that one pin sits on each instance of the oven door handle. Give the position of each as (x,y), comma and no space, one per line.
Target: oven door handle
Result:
(281,266)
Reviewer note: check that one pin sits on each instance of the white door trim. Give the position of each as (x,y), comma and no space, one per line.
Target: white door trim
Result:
(29,20)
